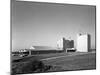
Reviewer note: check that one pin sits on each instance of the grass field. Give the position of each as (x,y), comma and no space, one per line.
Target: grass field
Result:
(63,61)
(74,62)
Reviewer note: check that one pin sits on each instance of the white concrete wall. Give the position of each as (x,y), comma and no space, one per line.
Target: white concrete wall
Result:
(60,44)
(82,43)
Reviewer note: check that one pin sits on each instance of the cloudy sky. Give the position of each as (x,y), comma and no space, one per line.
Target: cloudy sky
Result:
(43,24)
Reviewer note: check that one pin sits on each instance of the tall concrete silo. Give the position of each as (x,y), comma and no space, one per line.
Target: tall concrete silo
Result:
(83,42)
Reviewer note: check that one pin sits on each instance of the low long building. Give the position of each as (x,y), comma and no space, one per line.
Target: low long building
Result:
(38,50)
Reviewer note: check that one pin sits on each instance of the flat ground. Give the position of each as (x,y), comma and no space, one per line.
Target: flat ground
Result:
(65,61)
(73,62)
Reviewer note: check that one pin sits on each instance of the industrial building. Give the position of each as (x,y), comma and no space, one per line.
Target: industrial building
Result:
(83,42)
(66,45)
(63,45)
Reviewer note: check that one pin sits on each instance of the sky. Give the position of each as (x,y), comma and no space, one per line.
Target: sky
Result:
(43,24)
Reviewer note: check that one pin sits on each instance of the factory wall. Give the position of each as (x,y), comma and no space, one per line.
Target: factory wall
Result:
(67,44)
(83,43)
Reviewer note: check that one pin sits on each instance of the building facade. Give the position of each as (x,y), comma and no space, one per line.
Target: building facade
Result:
(83,43)
(65,44)
(68,44)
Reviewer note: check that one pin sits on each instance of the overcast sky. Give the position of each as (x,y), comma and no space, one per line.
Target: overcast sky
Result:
(43,24)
